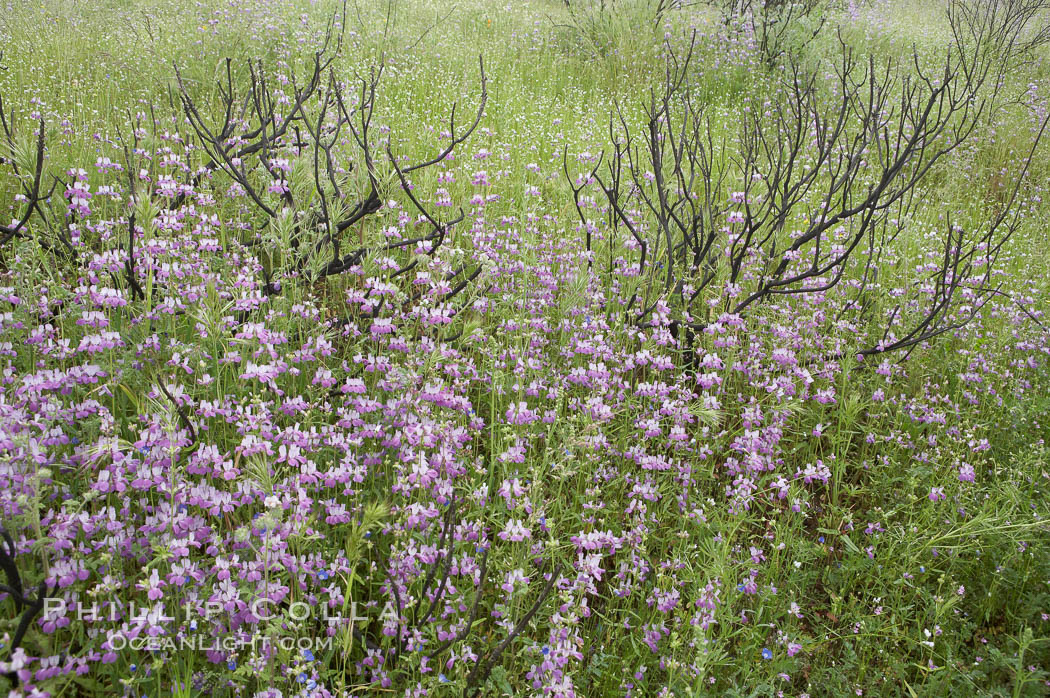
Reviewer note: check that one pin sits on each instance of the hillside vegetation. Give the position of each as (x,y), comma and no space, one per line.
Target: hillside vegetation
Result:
(587,348)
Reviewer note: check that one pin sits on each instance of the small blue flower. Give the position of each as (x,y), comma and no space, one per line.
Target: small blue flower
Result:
(922,569)
(368,534)
(442,678)
(821,539)
(739,587)
(302,677)
(767,653)
(546,650)
(231,665)
(308,655)
(322,575)
(133,667)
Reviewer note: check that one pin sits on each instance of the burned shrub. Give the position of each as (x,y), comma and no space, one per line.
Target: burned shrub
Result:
(819,184)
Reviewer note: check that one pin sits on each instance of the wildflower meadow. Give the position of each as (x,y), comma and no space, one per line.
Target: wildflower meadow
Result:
(535,348)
